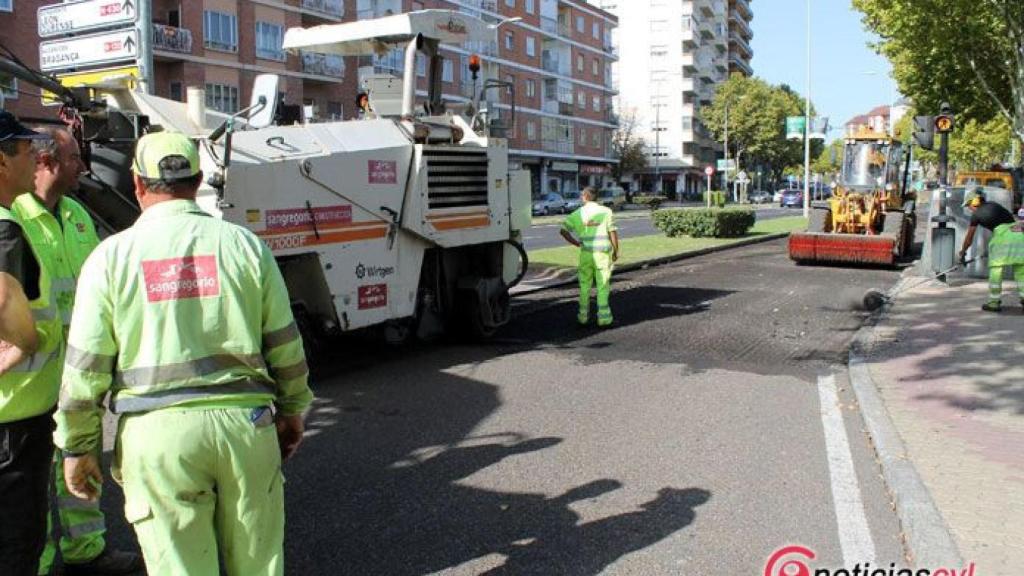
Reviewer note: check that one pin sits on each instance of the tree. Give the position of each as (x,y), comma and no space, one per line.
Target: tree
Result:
(757,117)
(969,53)
(829,163)
(628,148)
(977,145)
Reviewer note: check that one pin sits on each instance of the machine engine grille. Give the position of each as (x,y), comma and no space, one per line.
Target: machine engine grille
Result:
(456,177)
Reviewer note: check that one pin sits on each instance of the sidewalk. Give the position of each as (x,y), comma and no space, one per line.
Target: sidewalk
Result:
(952,380)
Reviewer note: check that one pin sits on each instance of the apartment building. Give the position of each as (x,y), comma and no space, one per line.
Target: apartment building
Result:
(676,54)
(559,57)
(220,45)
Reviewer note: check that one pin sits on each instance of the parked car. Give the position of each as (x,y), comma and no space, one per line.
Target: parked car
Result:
(572,200)
(613,197)
(759,197)
(549,203)
(792,199)
(777,196)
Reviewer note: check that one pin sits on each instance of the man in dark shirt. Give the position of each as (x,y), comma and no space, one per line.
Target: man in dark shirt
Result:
(1005,249)
(28,393)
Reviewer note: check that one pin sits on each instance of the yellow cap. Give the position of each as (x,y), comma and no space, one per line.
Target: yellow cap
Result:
(167,156)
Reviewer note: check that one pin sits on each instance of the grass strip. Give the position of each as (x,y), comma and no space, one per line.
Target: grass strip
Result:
(642,248)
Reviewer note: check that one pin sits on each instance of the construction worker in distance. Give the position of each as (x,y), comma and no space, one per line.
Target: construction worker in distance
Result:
(591,228)
(185,320)
(1005,249)
(31,344)
(63,235)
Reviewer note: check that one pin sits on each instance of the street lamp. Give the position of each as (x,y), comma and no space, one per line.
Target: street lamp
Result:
(807,123)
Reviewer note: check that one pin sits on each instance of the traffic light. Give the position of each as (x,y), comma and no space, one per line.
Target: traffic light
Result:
(944,123)
(924,131)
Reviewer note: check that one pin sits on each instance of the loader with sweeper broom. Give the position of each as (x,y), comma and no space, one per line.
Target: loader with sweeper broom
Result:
(870,218)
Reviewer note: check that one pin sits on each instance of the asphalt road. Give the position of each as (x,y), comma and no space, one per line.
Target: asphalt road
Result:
(691,438)
(547,236)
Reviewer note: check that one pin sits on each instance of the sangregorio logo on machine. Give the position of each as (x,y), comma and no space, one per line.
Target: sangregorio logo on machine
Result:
(363,271)
(452,26)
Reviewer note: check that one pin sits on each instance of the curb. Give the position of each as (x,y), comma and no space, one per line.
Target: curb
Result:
(659,261)
(927,538)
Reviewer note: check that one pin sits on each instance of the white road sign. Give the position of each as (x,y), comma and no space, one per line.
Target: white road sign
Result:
(103,48)
(86,15)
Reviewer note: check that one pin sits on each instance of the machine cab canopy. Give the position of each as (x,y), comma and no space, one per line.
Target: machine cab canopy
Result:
(368,37)
(870,163)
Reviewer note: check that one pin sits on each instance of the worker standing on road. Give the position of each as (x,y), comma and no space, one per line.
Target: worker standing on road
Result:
(592,229)
(1005,249)
(29,365)
(63,235)
(186,321)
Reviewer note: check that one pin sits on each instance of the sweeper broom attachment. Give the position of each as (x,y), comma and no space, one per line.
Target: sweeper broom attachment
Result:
(826,247)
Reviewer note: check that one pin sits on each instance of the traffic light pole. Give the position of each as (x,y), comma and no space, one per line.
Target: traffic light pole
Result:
(944,159)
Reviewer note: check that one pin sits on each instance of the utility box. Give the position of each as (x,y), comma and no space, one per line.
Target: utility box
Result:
(959,220)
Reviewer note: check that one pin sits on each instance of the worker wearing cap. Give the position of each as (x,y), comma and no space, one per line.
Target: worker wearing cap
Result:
(1005,249)
(30,346)
(185,320)
(63,235)
(592,229)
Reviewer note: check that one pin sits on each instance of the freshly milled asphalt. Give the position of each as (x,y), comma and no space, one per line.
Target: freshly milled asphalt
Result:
(685,440)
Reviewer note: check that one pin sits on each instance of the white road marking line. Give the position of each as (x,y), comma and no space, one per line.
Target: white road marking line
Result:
(854,534)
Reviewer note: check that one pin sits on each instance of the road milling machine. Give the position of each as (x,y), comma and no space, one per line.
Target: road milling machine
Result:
(407,219)
(870,217)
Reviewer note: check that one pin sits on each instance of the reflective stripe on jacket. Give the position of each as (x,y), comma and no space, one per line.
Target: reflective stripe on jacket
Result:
(592,224)
(180,310)
(30,387)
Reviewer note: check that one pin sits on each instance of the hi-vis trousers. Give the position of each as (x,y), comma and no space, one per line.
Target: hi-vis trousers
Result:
(595,267)
(199,483)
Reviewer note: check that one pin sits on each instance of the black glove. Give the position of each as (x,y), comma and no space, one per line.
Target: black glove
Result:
(963,258)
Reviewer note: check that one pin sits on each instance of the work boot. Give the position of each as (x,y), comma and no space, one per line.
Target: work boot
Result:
(108,563)
(992,307)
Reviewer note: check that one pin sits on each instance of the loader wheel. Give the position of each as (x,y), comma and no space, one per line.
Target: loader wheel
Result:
(820,220)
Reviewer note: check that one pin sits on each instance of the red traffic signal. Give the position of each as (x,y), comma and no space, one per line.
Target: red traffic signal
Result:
(944,123)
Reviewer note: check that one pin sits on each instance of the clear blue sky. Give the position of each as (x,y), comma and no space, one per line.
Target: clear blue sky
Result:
(840,56)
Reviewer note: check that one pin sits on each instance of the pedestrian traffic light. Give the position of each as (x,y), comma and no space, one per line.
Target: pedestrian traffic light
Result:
(944,123)
(924,131)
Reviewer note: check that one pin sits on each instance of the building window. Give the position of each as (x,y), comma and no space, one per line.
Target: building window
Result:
(421,65)
(510,3)
(9,87)
(595,103)
(334,110)
(269,38)
(595,67)
(222,98)
(595,30)
(579,63)
(531,131)
(531,88)
(581,100)
(175,92)
(447,74)
(510,41)
(530,8)
(595,138)
(531,46)
(220,31)
(6,5)
(581,24)
(583,137)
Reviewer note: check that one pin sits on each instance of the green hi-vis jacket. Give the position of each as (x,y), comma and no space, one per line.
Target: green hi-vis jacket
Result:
(182,310)
(592,224)
(62,245)
(30,388)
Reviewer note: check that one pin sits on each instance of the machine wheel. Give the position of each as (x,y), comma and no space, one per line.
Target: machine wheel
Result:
(820,220)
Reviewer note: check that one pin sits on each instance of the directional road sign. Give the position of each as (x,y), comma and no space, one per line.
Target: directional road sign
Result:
(74,17)
(102,48)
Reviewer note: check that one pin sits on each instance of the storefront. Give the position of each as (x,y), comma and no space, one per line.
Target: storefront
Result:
(596,175)
(562,177)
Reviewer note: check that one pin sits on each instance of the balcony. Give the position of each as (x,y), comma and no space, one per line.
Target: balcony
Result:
(323,64)
(690,85)
(566,109)
(737,64)
(706,8)
(172,39)
(740,24)
(330,9)
(689,64)
(743,7)
(559,146)
(741,45)
(549,25)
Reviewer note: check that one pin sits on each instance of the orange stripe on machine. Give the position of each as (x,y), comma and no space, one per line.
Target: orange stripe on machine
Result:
(461,223)
(292,241)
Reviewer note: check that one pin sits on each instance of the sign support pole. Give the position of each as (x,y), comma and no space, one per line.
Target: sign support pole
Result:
(144,24)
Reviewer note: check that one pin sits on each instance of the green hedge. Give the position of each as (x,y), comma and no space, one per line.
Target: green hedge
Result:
(701,223)
(651,202)
(717,198)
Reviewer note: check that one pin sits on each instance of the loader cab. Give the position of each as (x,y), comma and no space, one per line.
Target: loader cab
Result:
(870,164)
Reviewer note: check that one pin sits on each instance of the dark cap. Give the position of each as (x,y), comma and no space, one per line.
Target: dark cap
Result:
(10,128)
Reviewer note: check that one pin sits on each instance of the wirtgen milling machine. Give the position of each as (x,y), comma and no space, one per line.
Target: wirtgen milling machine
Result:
(870,217)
